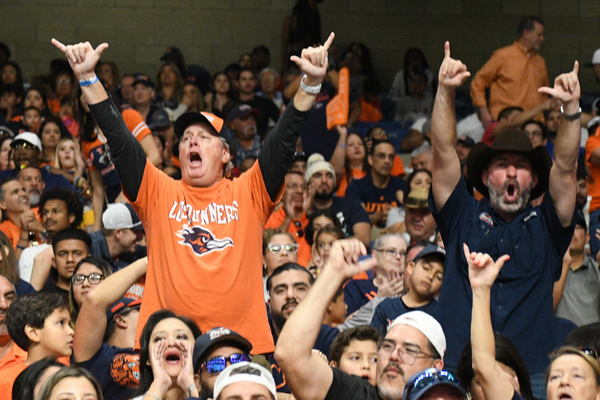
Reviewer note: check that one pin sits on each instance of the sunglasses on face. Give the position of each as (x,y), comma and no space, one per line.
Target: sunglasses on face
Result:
(93,279)
(217,364)
(276,248)
(23,145)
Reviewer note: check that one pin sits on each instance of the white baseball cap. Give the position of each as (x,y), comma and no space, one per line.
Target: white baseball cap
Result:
(121,216)
(28,137)
(425,324)
(245,372)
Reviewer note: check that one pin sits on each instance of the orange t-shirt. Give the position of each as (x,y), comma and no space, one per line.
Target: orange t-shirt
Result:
(356,174)
(592,144)
(205,252)
(14,356)
(7,378)
(12,232)
(370,112)
(398,167)
(135,123)
(275,221)
(10,371)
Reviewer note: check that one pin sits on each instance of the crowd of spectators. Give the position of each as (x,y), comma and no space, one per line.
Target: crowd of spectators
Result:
(136,211)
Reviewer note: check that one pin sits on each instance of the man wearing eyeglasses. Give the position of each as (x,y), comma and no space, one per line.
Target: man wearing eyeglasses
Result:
(414,342)
(390,252)
(215,350)
(378,191)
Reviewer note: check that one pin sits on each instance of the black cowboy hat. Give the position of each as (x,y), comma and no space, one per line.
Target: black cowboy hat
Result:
(510,141)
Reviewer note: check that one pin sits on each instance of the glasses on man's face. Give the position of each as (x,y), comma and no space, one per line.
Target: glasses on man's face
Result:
(392,253)
(407,353)
(217,364)
(289,248)
(23,145)
(93,278)
(297,186)
(427,378)
(63,81)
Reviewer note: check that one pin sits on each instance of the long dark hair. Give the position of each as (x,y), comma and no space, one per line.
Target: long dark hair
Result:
(146,375)
(102,266)
(365,165)
(309,231)
(19,81)
(507,354)
(410,178)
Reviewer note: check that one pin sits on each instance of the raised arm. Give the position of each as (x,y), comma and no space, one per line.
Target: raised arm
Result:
(563,179)
(126,153)
(276,156)
(307,376)
(482,273)
(446,166)
(91,321)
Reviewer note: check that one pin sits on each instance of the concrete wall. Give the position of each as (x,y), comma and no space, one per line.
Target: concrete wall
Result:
(214,33)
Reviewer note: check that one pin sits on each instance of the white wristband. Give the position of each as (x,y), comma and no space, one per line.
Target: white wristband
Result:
(310,89)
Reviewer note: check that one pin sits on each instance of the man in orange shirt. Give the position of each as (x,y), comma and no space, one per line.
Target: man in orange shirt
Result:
(513,74)
(204,232)
(20,220)
(10,353)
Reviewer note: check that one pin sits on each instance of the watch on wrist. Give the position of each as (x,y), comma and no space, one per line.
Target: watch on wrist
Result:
(570,117)
(190,389)
(310,89)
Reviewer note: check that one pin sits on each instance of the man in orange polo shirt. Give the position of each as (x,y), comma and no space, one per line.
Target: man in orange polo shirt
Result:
(513,74)
(10,353)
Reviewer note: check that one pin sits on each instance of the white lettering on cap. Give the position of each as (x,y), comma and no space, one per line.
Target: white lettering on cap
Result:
(218,332)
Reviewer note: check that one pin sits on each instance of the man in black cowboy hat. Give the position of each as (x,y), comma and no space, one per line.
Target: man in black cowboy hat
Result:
(509,174)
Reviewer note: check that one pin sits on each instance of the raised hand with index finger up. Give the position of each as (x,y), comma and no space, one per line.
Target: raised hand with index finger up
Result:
(453,73)
(314,61)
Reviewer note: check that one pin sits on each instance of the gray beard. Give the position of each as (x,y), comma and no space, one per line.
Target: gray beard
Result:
(34,198)
(389,394)
(497,197)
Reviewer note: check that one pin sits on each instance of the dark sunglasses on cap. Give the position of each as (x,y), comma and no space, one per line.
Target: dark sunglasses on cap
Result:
(217,364)
(426,379)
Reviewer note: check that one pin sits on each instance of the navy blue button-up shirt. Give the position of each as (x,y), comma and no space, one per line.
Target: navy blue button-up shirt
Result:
(521,297)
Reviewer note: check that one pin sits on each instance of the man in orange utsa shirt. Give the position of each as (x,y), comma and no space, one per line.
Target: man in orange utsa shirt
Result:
(204,232)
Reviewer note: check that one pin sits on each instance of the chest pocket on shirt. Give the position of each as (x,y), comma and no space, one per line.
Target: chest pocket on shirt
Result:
(517,241)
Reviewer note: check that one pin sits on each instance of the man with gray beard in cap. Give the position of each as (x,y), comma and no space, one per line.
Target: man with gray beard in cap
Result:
(415,341)
(509,173)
